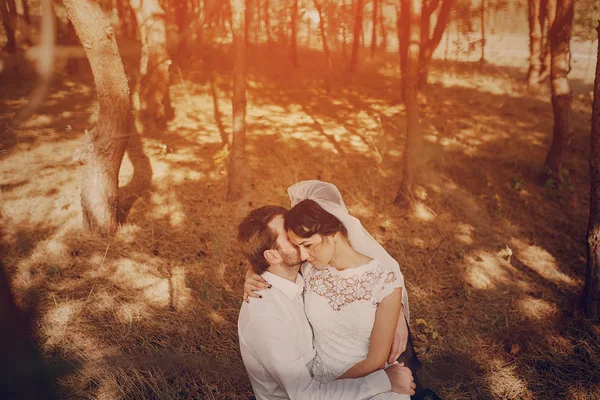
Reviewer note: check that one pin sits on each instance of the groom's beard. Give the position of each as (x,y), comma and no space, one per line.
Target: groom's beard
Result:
(291,261)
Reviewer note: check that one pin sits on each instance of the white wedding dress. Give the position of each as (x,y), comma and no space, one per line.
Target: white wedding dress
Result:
(341,307)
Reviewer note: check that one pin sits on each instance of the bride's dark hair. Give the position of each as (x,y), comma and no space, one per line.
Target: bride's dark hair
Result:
(308,218)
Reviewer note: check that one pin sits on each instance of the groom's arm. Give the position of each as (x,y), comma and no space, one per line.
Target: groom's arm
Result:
(272,343)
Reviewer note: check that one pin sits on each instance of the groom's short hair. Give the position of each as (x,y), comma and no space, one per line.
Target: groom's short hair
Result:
(255,236)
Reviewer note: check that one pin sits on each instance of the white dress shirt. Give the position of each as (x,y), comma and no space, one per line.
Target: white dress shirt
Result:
(276,346)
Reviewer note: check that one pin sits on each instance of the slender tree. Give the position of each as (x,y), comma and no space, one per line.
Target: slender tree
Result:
(358,22)
(535,44)
(103,146)
(294,29)
(267,14)
(482,20)
(549,15)
(374,28)
(430,41)
(560,38)
(591,290)
(153,85)
(405,194)
(323,29)
(238,101)
(382,26)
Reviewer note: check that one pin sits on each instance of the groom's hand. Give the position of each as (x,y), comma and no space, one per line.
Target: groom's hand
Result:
(401,379)
(400,338)
(254,282)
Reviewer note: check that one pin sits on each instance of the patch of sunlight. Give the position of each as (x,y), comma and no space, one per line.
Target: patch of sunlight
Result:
(431,138)
(504,381)
(485,270)
(103,301)
(132,275)
(421,193)
(395,153)
(450,142)
(37,121)
(181,175)
(181,295)
(56,322)
(465,233)
(418,243)
(422,212)
(126,171)
(366,121)
(358,144)
(361,210)
(128,313)
(99,267)
(536,309)
(15,103)
(216,318)
(541,261)
(167,207)
(128,233)
(108,388)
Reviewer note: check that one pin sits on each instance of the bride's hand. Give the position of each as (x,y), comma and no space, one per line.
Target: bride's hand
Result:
(400,339)
(254,283)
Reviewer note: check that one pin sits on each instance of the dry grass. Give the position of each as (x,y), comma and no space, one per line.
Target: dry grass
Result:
(493,262)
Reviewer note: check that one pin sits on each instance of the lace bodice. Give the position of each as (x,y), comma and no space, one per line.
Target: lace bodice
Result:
(341,307)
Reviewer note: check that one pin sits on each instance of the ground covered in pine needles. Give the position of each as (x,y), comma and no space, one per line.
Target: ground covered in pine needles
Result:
(494,262)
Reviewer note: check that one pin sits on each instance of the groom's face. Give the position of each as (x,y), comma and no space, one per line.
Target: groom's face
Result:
(287,250)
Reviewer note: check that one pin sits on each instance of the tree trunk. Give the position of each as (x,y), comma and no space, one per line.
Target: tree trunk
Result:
(153,85)
(268,23)
(104,145)
(248,20)
(429,44)
(382,27)
(591,290)
(294,29)
(238,102)
(9,26)
(323,28)
(482,59)
(308,32)
(183,20)
(403,31)
(535,44)
(358,21)
(374,31)
(405,193)
(560,37)
(26,15)
(550,12)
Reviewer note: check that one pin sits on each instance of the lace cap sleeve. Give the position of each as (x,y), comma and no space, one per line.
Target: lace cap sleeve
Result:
(385,283)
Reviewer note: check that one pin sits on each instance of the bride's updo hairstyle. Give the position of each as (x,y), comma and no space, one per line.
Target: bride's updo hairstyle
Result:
(307,218)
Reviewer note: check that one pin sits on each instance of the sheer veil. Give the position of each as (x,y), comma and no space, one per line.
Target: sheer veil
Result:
(329,198)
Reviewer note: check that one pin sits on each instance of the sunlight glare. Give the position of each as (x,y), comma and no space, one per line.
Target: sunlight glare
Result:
(541,262)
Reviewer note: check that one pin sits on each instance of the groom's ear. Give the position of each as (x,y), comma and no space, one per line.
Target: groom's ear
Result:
(272,256)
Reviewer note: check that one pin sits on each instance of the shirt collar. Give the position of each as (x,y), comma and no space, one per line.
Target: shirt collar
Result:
(289,288)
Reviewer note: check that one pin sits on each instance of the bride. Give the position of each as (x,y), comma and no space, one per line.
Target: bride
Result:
(354,290)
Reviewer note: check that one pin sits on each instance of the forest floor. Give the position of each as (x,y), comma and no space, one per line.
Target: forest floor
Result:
(493,261)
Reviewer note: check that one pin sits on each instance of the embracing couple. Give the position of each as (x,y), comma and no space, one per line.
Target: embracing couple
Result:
(332,311)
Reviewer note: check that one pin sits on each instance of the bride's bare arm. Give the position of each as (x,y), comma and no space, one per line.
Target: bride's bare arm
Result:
(386,319)
(253,283)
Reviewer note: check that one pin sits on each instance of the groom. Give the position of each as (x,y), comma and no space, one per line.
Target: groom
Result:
(275,336)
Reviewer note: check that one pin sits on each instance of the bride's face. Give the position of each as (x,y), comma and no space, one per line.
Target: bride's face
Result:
(317,250)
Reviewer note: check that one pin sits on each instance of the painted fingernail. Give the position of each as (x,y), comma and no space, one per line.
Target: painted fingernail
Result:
(270,286)
(260,296)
